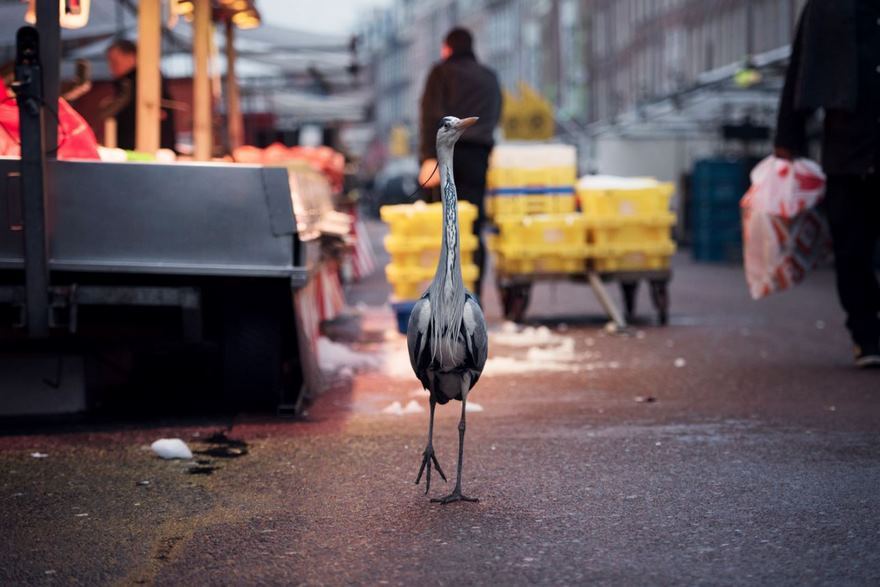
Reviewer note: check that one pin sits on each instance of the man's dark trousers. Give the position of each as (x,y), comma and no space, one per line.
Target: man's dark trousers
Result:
(469,165)
(853,205)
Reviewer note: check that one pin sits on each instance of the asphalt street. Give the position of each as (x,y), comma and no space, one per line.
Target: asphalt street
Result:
(736,446)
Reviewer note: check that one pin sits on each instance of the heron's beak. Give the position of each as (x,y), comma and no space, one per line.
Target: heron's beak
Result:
(466,123)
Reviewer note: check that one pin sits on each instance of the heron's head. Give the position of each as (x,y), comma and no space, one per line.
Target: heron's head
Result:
(451,128)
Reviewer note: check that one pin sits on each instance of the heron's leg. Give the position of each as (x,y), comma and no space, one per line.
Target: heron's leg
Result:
(428,456)
(456,494)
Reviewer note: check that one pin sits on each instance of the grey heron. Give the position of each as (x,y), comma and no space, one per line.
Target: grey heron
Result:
(446,335)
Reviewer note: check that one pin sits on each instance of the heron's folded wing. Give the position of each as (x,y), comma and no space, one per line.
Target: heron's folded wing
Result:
(417,337)
(476,339)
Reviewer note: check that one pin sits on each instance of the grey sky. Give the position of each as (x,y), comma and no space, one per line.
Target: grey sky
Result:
(320,16)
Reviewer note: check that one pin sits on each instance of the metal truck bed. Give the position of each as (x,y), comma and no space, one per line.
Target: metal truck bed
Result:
(177,219)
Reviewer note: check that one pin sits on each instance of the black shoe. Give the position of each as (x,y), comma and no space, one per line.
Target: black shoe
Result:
(868,356)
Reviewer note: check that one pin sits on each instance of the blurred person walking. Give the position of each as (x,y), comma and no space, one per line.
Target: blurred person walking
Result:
(835,67)
(460,86)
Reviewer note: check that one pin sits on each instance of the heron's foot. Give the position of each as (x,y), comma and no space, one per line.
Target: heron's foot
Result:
(428,458)
(454,496)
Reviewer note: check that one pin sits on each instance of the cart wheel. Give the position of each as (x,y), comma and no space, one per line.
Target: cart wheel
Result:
(660,297)
(515,300)
(630,290)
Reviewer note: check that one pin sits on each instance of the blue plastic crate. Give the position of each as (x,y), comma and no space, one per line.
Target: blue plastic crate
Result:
(402,310)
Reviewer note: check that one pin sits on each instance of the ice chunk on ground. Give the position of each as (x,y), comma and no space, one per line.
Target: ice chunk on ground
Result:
(679,362)
(473,407)
(413,407)
(39,455)
(171,448)
(334,357)
(511,335)
(395,409)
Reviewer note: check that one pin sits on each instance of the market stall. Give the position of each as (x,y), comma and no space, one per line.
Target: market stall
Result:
(226,258)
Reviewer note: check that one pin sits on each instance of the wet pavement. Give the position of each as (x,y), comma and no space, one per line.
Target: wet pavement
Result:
(735,446)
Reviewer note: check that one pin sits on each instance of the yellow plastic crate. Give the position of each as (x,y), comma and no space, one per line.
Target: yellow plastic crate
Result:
(524,204)
(626,203)
(541,244)
(555,230)
(526,261)
(425,251)
(615,258)
(409,283)
(420,219)
(641,231)
(513,177)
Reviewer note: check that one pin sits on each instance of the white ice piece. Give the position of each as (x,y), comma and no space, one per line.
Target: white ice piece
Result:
(171,448)
(413,407)
(473,407)
(39,455)
(395,409)
(334,357)
(679,362)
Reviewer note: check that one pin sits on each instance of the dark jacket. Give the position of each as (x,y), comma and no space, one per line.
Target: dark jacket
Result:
(126,90)
(834,67)
(462,87)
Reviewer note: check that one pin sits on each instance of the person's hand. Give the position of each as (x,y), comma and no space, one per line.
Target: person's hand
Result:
(425,177)
(783,153)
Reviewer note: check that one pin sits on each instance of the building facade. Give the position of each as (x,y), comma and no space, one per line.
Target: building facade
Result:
(613,69)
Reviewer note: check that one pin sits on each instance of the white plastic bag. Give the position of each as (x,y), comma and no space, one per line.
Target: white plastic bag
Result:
(784,234)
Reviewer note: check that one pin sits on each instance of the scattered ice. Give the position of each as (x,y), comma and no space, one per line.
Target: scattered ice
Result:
(171,448)
(511,335)
(473,407)
(413,407)
(395,409)
(39,455)
(679,362)
(832,408)
(334,357)
(82,515)
(820,324)
(611,328)
(511,366)
(640,334)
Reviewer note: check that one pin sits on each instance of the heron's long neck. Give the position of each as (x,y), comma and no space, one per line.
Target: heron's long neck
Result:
(448,274)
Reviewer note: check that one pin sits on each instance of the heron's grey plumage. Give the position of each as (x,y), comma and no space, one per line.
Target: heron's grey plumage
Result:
(446,335)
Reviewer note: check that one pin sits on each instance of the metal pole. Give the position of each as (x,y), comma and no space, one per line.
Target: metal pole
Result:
(235,124)
(49,29)
(203,141)
(29,89)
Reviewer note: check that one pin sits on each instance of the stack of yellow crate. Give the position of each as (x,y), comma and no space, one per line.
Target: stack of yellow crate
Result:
(628,223)
(414,241)
(526,179)
(531,201)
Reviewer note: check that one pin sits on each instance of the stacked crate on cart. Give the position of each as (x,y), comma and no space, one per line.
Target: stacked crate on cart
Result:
(538,233)
(630,222)
(629,227)
(531,202)
(414,241)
